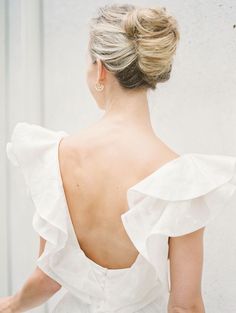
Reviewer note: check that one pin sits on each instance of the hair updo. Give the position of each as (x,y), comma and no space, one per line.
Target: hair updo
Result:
(136,44)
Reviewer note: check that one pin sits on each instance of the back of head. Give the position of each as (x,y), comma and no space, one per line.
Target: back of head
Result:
(136,44)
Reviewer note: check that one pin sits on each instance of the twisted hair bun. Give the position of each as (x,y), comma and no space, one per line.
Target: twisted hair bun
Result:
(136,44)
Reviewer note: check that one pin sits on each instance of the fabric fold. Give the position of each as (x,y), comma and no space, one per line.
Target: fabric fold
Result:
(180,197)
(34,151)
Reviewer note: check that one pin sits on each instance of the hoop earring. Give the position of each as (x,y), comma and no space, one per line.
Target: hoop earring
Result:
(99,87)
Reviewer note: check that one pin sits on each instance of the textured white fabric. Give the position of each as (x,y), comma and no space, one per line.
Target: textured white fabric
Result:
(180,197)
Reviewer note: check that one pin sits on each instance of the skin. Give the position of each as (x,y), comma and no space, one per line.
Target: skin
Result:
(108,149)
(186,265)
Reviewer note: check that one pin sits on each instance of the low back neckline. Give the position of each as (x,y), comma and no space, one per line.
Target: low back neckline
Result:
(75,239)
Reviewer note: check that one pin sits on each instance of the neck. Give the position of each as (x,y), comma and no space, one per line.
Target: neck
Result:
(128,107)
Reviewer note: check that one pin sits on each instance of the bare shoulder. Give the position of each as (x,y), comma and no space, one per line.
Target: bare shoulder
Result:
(165,152)
(70,145)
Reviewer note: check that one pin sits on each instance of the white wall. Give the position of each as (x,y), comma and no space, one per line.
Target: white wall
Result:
(4,285)
(44,82)
(22,101)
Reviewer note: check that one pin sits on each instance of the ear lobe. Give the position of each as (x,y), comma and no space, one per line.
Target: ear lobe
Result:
(101,70)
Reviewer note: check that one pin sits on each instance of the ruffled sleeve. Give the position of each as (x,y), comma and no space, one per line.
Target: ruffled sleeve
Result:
(180,197)
(33,149)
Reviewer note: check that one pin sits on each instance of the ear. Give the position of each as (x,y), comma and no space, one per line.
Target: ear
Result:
(101,73)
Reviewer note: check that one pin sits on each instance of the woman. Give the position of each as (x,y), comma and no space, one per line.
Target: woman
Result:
(114,203)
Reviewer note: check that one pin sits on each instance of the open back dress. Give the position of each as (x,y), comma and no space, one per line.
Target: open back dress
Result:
(180,197)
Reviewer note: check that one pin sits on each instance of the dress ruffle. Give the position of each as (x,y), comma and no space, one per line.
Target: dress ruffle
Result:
(180,197)
(25,150)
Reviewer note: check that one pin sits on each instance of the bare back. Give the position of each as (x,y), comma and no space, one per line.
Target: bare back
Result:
(97,167)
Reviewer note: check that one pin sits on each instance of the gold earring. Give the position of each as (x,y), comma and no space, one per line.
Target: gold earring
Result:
(99,87)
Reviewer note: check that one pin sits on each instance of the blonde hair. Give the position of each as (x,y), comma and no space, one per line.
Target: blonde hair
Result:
(136,44)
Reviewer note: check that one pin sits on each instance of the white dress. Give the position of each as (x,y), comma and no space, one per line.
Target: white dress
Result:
(180,197)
